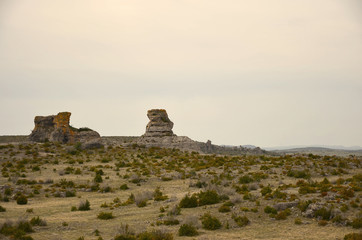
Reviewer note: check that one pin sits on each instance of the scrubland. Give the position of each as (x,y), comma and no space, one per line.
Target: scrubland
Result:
(55,191)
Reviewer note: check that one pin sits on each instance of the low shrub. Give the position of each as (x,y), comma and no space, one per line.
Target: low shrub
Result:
(84,206)
(207,198)
(298,221)
(187,230)
(241,221)
(188,202)
(245,179)
(171,222)
(158,195)
(155,235)
(37,221)
(22,200)
(357,222)
(224,209)
(209,222)
(323,213)
(105,215)
(124,187)
(17,231)
(270,210)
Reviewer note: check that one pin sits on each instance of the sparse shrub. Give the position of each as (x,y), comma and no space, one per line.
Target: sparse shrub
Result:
(158,195)
(98,178)
(105,215)
(303,205)
(209,222)
(70,193)
(142,203)
(125,233)
(323,213)
(73,208)
(155,235)
(297,221)
(187,230)
(357,222)
(305,189)
(84,206)
(224,208)
(282,215)
(245,179)
(241,221)
(171,221)
(298,174)
(270,210)
(266,190)
(124,187)
(175,210)
(188,202)
(209,197)
(22,200)
(37,221)
(18,231)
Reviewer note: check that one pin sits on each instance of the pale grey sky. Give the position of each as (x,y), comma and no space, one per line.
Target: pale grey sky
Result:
(264,72)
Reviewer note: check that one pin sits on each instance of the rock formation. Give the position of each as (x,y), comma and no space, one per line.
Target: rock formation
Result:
(159,134)
(160,125)
(56,128)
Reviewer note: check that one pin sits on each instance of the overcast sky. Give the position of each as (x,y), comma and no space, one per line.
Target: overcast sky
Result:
(268,73)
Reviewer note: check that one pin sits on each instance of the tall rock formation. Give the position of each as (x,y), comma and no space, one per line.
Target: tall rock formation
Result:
(56,128)
(159,125)
(159,134)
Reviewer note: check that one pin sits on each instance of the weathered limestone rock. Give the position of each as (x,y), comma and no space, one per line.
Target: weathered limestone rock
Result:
(56,128)
(159,134)
(160,125)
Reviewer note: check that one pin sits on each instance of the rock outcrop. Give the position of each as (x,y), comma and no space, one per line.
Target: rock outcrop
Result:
(56,128)
(159,134)
(160,125)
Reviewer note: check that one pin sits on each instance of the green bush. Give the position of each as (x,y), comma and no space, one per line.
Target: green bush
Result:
(18,231)
(158,195)
(266,190)
(323,213)
(241,221)
(187,230)
(37,221)
(188,202)
(209,197)
(269,210)
(224,208)
(84,206)
(155,235)
(171,222)
(98,178)
(245,179)
(22,200)
(209,222)
(105,215)
(124,187)
(298,221)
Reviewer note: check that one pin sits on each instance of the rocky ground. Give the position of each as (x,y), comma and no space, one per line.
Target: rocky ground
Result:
(63,191)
